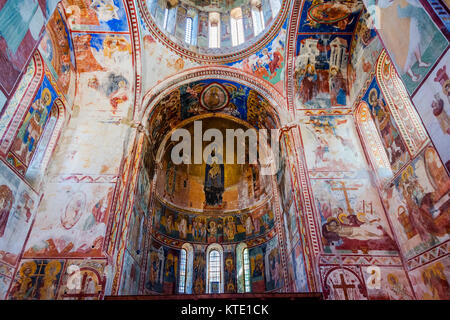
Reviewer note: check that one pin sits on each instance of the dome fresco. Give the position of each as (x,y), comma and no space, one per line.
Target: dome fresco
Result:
(215,31)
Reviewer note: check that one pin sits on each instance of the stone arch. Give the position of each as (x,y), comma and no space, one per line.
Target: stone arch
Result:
(264,88)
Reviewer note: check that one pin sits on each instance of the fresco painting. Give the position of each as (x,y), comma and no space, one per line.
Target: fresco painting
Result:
(57,50)
(417,42)
(97,55)
(25,144)
(272,265)
(330,16)
(417,202)
(4,285)
(229,272)
(75,225)
(37,280)
(17,214)
(257,269)
(143,190)
(343,283)
(131,275)
(82,280)
(300,276)
(96,15)
(163,61)
(364,51)
(155,269)
(352,217)
(137,232)
(103,52)
(384,283)
(321,70)
(433,105)
(432,281)
(332,144)
(228,228)
(386,126)
(267,64)
(199,269)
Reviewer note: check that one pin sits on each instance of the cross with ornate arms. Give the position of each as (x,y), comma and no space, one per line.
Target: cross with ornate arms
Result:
(344,286)
(345,189)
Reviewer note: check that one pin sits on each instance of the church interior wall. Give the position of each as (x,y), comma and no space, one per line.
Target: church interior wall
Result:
(375,219)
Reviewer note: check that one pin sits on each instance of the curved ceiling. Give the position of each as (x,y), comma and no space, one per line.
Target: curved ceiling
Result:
(187,26)
(183,186)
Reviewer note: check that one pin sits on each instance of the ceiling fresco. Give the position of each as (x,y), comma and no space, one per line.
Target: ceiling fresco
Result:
(170,28)
(97,15)
(325,36)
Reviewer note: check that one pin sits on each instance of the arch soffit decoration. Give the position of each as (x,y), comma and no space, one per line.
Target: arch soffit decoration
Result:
(158,92)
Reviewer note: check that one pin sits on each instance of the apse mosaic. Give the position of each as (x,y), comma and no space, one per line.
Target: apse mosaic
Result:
(211,187)
(221,97)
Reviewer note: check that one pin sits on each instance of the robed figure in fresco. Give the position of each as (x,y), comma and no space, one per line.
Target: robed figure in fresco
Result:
(214,179)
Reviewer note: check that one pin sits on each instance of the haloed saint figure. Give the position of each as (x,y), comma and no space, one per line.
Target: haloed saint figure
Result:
(214,179)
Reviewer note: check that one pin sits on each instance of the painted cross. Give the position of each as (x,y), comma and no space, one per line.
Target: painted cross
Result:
(345,189)
(344,286)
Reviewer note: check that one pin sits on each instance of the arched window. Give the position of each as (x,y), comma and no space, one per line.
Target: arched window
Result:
(188,30)
(182,282)
(214,264)
(186,263)
(275,5)
(258,17)
(214,30)
(246,270)
(166,17)
(237,27)
(214,271)
(243,268)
